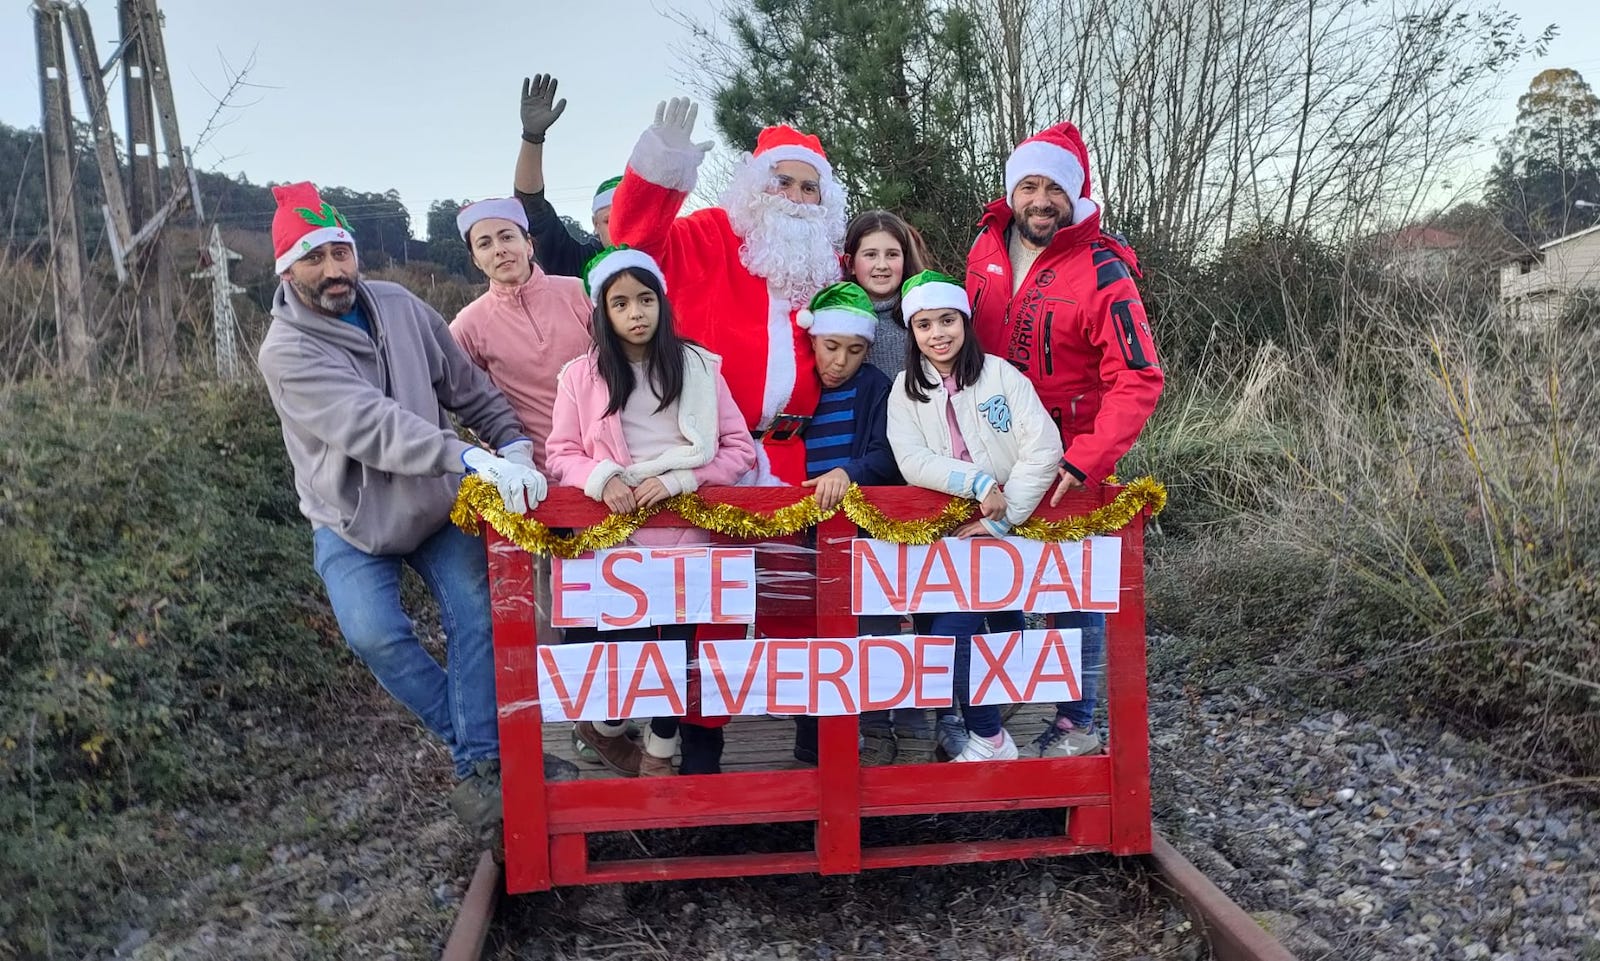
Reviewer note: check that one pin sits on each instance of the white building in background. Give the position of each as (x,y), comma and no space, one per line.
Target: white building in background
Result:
(1421,254)
(1535,290)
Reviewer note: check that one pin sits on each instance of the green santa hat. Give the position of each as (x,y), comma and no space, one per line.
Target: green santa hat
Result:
(604,193)
(931,290)
(842,308)
(614,260)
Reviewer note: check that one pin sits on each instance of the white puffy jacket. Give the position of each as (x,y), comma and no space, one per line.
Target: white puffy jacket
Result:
(1007,430)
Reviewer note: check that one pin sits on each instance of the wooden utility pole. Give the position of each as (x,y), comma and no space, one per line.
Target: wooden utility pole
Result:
(155,316)
(91,79)
(223,320)
(76,347)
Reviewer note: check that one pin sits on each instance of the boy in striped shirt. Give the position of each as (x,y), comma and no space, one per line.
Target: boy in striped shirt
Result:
(847,442)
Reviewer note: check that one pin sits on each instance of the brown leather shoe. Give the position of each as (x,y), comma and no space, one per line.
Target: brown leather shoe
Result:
(652,766)
(620,754)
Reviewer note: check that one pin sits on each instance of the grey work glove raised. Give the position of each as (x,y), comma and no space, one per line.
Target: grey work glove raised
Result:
(539,107)
(521,487)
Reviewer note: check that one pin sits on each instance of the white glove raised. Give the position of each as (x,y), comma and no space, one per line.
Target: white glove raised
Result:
(675,124)
(519,452)
(521,487)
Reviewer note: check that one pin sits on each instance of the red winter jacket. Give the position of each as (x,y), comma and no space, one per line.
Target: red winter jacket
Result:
(1077,329)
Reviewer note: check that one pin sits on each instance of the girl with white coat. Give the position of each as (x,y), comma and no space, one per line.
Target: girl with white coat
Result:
(966,423)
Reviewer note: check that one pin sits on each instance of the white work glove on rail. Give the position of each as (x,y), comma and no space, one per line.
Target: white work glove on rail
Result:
(521,487)
(519,452)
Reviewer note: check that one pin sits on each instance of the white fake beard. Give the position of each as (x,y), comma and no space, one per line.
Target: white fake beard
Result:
(794,247)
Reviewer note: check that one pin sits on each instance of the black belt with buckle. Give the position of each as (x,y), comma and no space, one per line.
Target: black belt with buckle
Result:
(783,427)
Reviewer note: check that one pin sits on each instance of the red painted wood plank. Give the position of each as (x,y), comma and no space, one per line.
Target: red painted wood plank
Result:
(723,866)
(569,858)
(1090,825)
(517,694)
(839,757)
(1032,782)
(685,801)
(570,507)
(1128,705)
(968,852)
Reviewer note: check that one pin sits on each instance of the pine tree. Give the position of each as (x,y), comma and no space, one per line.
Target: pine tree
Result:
(890,87)
(1551,160)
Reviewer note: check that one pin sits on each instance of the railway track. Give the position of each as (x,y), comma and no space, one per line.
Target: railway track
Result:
(1227,930)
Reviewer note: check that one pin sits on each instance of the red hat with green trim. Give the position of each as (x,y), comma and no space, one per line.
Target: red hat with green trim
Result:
(304,222)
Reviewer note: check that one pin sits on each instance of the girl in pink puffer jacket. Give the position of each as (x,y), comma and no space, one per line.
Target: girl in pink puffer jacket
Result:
(644,416)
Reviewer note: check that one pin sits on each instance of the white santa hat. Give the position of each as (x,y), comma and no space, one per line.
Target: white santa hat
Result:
(839,309)
(496,208)
(614,260)
(1059,154)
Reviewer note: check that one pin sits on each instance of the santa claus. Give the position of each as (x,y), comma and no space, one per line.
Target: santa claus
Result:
(740,271)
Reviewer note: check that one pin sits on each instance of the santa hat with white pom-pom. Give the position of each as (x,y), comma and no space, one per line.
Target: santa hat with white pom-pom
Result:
(839,309)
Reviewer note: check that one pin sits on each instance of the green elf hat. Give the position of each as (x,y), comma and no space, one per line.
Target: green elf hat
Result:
(604,194)
(931,290)
(614,260)
(842,308)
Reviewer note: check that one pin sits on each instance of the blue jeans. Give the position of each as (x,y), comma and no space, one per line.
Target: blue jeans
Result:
(455,702)
(1093,625)
(982,720)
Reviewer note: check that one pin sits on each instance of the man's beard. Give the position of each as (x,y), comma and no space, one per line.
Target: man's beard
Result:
(335,304)
(793,247)
(1043,238)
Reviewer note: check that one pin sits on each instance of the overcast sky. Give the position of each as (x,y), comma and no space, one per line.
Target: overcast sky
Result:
(423,97)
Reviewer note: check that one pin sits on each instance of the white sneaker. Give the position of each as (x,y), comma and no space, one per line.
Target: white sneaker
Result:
(979,749)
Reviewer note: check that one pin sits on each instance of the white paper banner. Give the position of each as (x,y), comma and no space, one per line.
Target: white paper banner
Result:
(826,676)
(612,679)
(984,574)
(631,587)
(1027,667)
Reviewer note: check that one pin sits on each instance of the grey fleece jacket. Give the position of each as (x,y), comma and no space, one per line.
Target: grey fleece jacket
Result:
(364,418)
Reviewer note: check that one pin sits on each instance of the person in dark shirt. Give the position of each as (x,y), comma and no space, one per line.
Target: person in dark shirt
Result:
(557,251)
(847,442)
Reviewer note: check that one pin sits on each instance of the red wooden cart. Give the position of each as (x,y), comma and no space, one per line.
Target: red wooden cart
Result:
(546,824)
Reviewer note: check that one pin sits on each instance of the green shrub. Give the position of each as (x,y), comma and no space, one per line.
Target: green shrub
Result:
(155,583)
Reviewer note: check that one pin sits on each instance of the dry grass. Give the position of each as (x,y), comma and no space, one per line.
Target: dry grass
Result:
(1410,512)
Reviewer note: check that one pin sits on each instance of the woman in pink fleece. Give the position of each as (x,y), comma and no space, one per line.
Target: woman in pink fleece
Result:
(643,416)
(528,324)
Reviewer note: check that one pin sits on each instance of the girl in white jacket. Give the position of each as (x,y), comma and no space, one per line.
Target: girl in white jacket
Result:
(965,423)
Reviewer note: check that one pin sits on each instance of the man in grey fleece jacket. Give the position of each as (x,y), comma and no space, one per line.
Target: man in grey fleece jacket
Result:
(363,376)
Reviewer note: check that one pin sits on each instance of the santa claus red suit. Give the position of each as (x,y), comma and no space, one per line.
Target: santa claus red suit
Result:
(1075,324)
(737,273)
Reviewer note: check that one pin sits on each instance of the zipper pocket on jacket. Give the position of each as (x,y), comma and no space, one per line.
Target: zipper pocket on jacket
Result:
(1049,362)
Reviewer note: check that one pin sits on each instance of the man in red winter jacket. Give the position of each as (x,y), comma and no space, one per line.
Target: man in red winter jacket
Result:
(1056,297)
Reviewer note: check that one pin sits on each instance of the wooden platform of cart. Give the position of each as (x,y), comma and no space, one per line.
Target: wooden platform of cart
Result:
(766,743)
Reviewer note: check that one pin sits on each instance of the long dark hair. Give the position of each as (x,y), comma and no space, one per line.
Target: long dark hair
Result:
(912,249)
(663,359)
(968,365)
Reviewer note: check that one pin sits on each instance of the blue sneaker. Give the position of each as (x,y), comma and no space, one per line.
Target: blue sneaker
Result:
(951,733)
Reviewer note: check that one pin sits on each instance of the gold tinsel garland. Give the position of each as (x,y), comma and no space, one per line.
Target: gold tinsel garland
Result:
(478,498)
